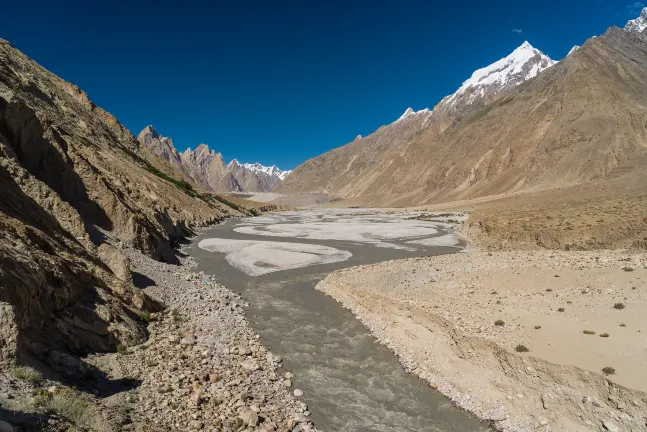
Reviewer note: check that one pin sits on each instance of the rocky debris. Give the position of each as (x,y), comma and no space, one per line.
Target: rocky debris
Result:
(203,368)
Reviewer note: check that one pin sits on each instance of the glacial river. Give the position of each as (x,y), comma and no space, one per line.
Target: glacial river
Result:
(350,382)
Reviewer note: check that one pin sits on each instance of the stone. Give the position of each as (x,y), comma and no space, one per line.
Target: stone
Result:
(250,418)
(497,415)
(187,341)
(5,427)
(298,393)
(196,425)
(610,426)
(250,365)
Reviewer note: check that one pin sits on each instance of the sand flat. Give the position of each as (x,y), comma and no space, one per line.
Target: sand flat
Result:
(439,315)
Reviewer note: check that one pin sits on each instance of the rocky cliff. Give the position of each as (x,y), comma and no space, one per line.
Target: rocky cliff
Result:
(73,182)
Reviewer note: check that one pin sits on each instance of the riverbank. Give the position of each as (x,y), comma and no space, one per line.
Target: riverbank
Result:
(202,368)
(457,320)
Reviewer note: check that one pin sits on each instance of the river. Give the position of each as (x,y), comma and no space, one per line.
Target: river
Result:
(350,382)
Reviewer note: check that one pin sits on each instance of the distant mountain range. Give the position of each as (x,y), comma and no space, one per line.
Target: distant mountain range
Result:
(524,123)
(208,170)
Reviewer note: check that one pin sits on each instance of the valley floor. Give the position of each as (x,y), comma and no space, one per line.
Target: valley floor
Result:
(459,320)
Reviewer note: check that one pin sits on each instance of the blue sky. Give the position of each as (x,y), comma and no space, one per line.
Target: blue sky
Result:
(282,81)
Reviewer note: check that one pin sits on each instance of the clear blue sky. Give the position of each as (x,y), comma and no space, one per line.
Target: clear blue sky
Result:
(282,81)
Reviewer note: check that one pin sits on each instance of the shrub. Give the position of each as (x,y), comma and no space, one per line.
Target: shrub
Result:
(122,349)
(148,317)
(608,370)
(499,323)
(537,327)
(604,335)
(619,306)
(65,403)
(521,348)
(25,373)
(628,269)
(561,310)
(588,332)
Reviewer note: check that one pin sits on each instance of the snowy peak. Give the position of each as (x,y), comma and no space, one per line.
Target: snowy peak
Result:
(639,24)
(522,64)
(575,48)
(272,171)
(410,113)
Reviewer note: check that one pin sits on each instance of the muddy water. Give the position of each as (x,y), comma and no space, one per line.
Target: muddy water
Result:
(351,383)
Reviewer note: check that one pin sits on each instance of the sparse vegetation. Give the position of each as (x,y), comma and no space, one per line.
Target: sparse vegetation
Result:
(25,373)
(619,306)
(65,403)
(122,349)
(148,317)
(521,348)
(588,332)
(608,370)
(499,323)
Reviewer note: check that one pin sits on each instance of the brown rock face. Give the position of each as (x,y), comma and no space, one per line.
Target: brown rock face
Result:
(71,177)
(207,169)
(580,121)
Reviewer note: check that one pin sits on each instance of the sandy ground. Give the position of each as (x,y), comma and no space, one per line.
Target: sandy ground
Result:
(438,314)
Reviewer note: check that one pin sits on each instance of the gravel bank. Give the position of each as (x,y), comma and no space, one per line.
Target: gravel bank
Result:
(202,368)
(438,315)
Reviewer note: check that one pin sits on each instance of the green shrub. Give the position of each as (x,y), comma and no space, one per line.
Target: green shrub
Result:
(618,306)
(25,373)
(608,370)
(521,348)
(65,403)
(122,349)
(148,317)
(604,335)
(499,323)
(588,332)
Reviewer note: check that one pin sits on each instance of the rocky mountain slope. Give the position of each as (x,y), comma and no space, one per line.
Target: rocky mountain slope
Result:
(577,121)
(207,169)
(72,178)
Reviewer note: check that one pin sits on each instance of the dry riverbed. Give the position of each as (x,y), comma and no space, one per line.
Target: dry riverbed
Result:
(458,321)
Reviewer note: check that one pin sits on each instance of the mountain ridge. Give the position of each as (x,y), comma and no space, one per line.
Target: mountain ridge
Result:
(207,168)
(491,149)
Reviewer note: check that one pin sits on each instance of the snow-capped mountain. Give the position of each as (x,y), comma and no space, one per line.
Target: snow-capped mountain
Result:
(485,84)
(206,168)
(575,48)
(639,24)
(522,64)
(272,171)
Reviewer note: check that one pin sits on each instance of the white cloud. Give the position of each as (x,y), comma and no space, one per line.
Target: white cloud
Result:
(517,30)
(636,7)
